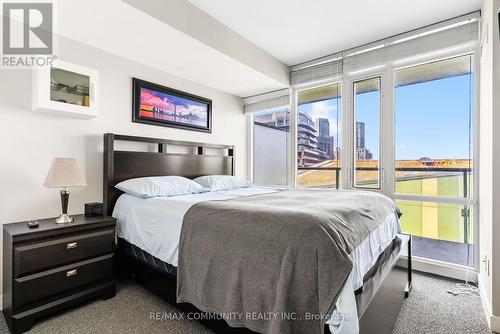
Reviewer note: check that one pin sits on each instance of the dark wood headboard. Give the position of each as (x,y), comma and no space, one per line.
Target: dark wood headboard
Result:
(123,165)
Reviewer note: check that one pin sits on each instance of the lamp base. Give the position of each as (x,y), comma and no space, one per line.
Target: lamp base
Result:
(64,219)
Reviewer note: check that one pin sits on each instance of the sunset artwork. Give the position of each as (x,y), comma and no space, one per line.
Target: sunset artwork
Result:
(160,106)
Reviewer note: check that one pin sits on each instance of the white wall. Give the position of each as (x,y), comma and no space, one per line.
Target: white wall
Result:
(489,164)
(495,235)
(29,141)
(485,153)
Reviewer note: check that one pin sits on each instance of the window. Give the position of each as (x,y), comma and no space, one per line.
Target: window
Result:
(432,175)
(319,136)
(367,133)
(271,146)
(434,156)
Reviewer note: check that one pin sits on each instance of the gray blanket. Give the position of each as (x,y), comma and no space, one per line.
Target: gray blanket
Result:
(274,263)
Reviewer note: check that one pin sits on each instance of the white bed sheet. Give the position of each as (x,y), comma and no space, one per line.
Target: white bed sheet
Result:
(154,225)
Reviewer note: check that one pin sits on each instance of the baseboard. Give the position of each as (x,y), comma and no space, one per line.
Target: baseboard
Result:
(484,301)
(495,324)
(440,268)
(493,321)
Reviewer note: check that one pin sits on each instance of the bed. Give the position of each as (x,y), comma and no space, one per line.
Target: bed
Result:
(149,234)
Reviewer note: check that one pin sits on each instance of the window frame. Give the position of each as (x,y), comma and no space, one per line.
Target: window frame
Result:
(472,201)
(353,82)
(387,141)
(294,123)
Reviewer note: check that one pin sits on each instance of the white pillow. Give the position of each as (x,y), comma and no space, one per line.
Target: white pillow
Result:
(222,182)
(160,186)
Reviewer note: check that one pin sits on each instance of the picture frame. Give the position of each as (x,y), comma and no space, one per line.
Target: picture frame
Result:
(155,104)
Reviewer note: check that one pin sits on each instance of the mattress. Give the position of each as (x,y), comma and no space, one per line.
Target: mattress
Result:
(154,224)
(142,256)
(151,228)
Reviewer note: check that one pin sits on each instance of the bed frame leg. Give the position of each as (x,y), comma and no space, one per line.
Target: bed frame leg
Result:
(409,270)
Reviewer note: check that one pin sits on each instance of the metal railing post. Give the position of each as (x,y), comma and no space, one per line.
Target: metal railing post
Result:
(466,209)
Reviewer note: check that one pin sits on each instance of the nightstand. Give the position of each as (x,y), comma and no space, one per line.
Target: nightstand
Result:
(48,268)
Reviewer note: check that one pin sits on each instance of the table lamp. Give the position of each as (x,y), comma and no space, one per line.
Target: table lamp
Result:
(64,173)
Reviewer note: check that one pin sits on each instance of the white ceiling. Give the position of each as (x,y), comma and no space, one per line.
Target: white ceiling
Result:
(299,30)
(121,29)
(240,46)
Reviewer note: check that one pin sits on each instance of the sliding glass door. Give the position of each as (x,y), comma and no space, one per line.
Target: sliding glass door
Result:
(433,171)
(319,136)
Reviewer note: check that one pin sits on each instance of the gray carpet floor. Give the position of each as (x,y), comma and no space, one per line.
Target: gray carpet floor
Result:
(430,309)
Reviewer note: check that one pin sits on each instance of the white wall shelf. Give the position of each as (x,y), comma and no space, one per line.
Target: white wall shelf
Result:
(66,89)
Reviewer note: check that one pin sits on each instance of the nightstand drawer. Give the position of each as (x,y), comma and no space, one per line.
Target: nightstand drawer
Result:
(38,286)
(56,252)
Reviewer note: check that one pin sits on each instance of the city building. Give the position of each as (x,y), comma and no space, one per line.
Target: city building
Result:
(309,151)
(326,145)
(323,126)
(325,141)
(360,135)
(361,152)
(279,119)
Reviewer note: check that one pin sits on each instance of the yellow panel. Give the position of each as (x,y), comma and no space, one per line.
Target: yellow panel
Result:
(430,218)
(430,186)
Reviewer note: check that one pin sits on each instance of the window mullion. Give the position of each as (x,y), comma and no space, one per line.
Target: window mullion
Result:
(347,146)
(387,131)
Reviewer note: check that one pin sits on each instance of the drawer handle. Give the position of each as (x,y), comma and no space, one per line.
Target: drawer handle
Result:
(72,245)
(71,273)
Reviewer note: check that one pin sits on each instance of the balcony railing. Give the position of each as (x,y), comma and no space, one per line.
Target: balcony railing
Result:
(461,187)
(336,169)
(465,172)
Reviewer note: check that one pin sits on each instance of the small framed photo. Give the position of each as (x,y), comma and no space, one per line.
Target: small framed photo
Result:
(159,105)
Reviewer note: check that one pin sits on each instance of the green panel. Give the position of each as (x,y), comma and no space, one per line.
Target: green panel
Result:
(449,223)
(411,220)
(450,186)
(450,220)
(409,187)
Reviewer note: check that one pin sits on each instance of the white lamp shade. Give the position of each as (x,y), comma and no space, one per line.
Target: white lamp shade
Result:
(64,173)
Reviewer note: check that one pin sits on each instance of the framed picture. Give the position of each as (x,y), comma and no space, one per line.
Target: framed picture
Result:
(159,105)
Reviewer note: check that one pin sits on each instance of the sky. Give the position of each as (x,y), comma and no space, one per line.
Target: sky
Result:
(169,102)
(432,119)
